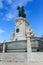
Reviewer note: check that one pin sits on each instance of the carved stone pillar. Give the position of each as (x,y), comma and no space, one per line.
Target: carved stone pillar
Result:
(4,45)
(28,48)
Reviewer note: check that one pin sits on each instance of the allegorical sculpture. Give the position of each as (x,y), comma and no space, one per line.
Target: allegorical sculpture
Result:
(21,12)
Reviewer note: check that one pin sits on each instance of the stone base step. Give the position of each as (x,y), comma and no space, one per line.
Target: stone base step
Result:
(13,57)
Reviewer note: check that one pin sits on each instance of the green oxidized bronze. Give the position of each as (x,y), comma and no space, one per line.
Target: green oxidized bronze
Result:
(21,12)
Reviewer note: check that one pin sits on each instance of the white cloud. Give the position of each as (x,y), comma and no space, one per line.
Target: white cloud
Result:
(12,12)
(1,4)
(18,2)
(1,31)
(8,17)
(9,1)
(21,2)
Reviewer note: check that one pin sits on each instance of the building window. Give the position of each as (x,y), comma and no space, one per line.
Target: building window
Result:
(17,30)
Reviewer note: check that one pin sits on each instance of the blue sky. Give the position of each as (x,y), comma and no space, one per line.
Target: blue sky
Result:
(8,13)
